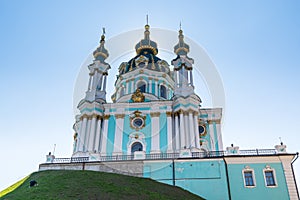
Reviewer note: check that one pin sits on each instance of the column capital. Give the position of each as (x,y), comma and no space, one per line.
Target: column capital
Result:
(84,116)
(169,113)
(211,121)
(106,117)
(119,116)
(155,114)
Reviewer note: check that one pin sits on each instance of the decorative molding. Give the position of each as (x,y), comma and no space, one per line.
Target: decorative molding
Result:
(118,116)
(169,113)
(106,117)
(155,114)
(211,121)
(94,116)
(137,115)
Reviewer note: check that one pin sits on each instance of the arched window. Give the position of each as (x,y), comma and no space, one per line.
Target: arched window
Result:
(137,146)
(142,86)
(163,91)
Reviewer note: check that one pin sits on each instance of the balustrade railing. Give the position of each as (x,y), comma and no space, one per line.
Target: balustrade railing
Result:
(161,156)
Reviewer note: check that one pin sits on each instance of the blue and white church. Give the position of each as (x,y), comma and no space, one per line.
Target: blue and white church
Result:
(156,128)
(154,109)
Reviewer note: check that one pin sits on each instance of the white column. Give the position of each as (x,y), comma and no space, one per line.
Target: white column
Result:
(176,79)
(182,131)
(169,132)
(191,78)
(180,77)
(155,132)
(197,137)
(212,136)
(127,87)
(95,78)
(177,135)
(118,134)
(90,146)
(98,134)
(82,133)
(191,129)
(187,134)
(156,88)
(104,134)
(132,86)
(185,78)
(90,82)
(150,86)
(87,136)
(104,83)
(100,82)
(219,136)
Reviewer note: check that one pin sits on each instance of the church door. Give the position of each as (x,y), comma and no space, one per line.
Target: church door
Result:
(137,146)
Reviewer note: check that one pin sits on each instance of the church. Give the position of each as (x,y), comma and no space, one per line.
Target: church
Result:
(156,128)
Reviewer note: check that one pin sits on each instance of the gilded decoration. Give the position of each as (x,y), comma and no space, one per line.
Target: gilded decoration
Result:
(155,114)
(169,114)
(137,120)
(211,121)
(118,116)
(138,96)
(106,117)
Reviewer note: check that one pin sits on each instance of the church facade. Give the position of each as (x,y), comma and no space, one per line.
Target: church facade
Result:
(154,109)
(156,128)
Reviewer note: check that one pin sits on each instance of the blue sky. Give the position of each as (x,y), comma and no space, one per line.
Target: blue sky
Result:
(255,46)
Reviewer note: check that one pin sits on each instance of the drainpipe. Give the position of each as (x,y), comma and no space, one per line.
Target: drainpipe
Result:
(227,179)
(297,155)
(173,164)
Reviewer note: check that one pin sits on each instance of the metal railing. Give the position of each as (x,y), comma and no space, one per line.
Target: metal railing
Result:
(162,156)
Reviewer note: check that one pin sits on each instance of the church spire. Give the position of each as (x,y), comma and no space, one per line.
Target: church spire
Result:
(101,53)
(98,73)
(183,67)
(146,43)
(181,48)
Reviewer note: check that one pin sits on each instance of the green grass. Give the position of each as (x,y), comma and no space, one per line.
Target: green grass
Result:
(81,185)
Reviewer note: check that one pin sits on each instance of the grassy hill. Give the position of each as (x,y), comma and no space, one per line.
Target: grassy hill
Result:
(94,185)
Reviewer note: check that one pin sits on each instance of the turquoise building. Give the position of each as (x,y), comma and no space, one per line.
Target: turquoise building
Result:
(156,128)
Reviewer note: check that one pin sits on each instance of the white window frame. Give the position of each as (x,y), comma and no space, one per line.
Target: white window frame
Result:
(144,83)
(267,169)
(248,169)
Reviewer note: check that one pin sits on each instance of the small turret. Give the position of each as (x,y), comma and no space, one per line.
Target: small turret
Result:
(183,67)
(101,53)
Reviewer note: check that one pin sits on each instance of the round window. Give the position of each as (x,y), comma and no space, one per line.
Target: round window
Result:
(138,122)
(202,130)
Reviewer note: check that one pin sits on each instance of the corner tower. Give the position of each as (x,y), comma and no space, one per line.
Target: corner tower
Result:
(88,123)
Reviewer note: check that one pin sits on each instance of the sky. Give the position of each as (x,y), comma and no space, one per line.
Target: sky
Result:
(254,45)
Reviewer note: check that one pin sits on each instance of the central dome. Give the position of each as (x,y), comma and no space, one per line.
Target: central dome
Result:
(146,57)
(146,43)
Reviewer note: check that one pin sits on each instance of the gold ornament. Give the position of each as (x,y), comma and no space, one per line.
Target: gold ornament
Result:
(138,96)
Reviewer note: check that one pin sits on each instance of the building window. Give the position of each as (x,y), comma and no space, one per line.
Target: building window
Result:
(137,146)
(163,91)
(270,178)
(142,86)
(248,176)
(249,179)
